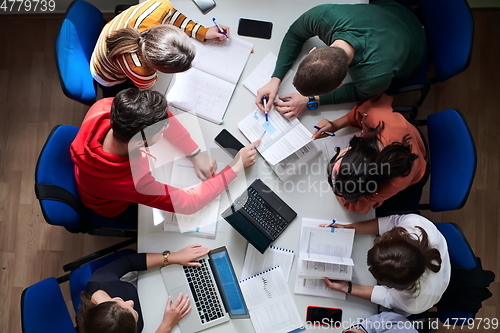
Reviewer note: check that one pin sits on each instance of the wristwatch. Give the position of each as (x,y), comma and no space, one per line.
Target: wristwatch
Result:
(165,258)
(312,104)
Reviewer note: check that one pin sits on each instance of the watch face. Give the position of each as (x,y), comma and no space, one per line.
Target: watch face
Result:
(312,105)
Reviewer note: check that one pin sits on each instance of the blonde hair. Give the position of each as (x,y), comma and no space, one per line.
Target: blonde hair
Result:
(163,47)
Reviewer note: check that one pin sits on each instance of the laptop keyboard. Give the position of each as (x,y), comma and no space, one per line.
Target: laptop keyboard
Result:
(255,206)
(204,292)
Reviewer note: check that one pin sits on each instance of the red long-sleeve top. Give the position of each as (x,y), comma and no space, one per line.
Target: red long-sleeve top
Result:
(105,181)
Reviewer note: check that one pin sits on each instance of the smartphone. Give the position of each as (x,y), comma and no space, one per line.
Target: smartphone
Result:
(254,28)
(317,315)
(228,142)
(205,5)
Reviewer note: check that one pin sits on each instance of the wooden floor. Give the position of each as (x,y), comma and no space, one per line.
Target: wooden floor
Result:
(31,103)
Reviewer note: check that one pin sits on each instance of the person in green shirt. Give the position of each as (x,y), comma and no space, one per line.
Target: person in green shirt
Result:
(373,42)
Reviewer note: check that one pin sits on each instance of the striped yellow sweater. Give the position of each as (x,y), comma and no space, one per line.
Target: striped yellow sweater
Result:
(142,16)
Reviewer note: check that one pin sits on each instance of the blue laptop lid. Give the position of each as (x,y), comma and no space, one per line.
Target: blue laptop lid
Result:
(228,284)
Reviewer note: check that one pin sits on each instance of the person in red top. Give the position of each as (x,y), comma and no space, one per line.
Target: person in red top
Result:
(103,172)
(386,164)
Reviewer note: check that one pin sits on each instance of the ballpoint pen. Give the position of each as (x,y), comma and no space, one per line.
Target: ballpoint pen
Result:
(220,29)
(331,224)
(327,133)
(264,100)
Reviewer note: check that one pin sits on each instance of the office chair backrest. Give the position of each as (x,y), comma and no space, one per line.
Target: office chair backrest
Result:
(79,277)
(452,160)
(449,28)
(55,184)
(43,309)
(75,43)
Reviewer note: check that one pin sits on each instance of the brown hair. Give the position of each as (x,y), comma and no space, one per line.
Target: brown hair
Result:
(397,259)
(321,71)
(106,317)
(164,47)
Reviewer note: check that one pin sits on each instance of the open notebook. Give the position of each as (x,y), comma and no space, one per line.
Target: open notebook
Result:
(207,87)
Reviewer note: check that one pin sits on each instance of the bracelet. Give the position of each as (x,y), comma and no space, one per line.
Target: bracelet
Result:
(165,258)
(349,288)
(194,154)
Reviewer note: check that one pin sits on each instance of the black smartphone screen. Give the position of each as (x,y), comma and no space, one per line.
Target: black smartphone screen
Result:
(205,5)
(253,28)
(324,316)
(228,142)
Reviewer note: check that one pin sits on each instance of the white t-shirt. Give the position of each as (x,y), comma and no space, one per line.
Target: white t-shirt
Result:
(431,286)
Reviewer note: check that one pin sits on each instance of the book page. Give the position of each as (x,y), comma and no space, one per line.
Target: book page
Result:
(256,262)
(297,160)
(326,244)
(294,140)
(316,287)
(184,176)
(203,94)
(225,60)
(271,306)
(317,270)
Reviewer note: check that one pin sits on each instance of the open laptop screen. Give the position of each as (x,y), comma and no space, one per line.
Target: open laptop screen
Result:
(228,284)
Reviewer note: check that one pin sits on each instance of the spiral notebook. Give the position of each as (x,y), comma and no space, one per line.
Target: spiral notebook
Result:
(256,262)
(270,303)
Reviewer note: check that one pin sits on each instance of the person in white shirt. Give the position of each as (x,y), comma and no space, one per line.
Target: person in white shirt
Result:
(409,261)
(385,322)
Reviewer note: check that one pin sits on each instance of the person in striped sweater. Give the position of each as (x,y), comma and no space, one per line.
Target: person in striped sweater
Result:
(149,37)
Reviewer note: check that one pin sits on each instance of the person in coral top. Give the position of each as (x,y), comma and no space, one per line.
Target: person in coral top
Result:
(385,167)
(103,160)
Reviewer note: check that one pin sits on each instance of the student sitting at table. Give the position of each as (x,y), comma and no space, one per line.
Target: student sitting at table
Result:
(409,260)
(143,39)
(374,42)
(385,167)
(103,163)
(110,305)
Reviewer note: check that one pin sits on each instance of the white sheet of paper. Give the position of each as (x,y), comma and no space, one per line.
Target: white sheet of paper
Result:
(341,141)
(316,287)
(261,74)
(256,262)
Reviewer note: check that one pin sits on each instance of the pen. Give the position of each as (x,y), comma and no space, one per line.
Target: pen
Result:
(220,29)
(327,133)
(262,136)
(331,224)
(264,100)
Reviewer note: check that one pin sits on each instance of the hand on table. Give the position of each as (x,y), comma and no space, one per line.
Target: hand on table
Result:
(270,90)
(185,256)
(215,34)
(293,107)
(174,312)
(326,126)
(336,225)
(245,157)
(204,165)
(337,285)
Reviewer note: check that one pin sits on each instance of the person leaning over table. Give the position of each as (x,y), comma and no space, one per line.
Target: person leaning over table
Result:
(103,161)
(110,305)
(385,167)
(142,40)
(409,260)
(373,42)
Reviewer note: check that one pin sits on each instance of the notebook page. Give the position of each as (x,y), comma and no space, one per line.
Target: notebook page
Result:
(225,60)
(256,262)
(271,306)
(200,93)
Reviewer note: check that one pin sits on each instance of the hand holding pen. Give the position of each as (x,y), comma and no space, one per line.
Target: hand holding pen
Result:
(324,128)
(220,30)
(264,101)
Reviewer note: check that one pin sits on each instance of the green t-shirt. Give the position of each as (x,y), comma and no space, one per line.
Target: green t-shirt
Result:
(388,41)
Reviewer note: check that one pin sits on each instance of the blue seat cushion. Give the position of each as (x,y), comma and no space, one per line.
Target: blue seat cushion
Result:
(452,160)
(74,46)
(458,248)
(43,309)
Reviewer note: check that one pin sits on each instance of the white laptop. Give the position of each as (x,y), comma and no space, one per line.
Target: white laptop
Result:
(214,292)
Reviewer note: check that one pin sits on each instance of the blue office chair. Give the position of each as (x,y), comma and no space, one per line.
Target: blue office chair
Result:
(452,160)
(55,188)
(43,308)
(449,27)
(75,43)
(79,277)
(461,256)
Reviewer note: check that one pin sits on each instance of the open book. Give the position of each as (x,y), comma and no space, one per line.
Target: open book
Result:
(200,224)
(207,87)
(281,137)
(325,251)
(270,303)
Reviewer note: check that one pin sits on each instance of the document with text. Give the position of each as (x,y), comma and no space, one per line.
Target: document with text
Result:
(256,262)
(270,303)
